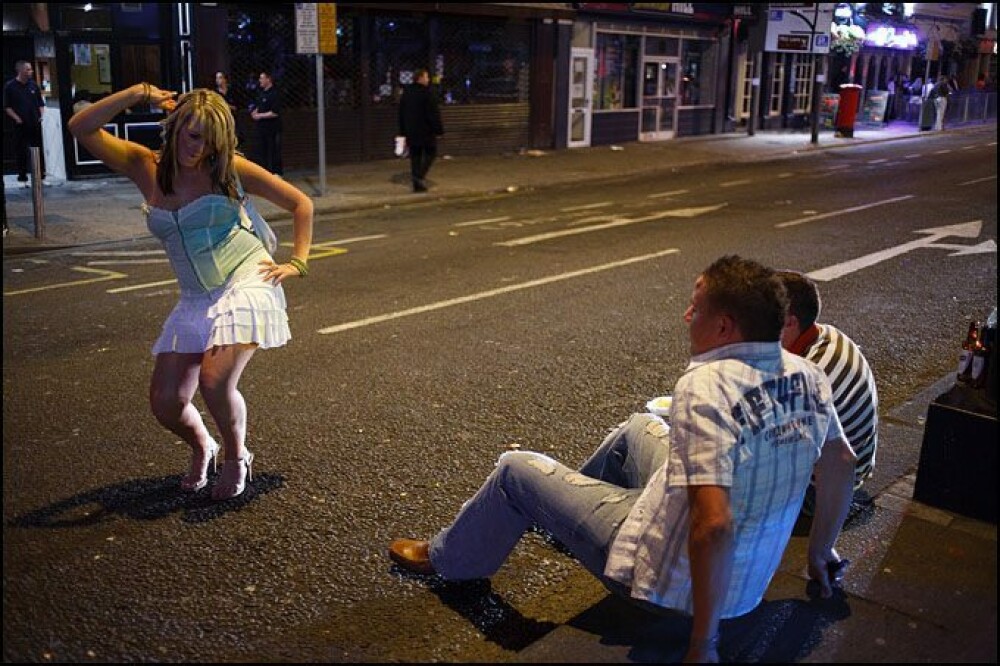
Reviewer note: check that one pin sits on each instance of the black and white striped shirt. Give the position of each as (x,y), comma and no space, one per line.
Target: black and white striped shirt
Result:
(854,395)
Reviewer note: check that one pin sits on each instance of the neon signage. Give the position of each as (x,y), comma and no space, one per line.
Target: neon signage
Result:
(889,37)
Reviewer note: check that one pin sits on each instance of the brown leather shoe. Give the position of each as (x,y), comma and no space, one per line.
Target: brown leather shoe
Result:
(412,554)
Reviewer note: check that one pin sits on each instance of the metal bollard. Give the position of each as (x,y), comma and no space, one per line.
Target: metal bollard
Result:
(36,191)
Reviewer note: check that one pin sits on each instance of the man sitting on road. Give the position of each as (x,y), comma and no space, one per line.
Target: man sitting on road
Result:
(696,521)
(854,394)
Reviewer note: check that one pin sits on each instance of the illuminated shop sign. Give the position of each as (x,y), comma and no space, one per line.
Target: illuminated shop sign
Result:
(889,37)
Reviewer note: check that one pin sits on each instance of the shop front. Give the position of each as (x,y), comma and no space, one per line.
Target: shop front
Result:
(656,71)
(83,53)
(492,67)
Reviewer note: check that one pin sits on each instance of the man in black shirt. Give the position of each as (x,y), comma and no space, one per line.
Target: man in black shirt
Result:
(266,112)
(22,101)
(420,123)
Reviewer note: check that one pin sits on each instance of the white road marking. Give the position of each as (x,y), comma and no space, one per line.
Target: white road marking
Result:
(130,262)
(880,161)
(356,239)
(137,287)
(603,204)
(821,216)
(120,253)
(734,183)
(619,222)
(787,174)
(493,292)
(488,220)
(672,193)
(963,230)
(977,180)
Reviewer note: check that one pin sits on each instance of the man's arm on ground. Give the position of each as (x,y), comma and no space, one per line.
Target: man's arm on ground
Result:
(710,549)
(834,490)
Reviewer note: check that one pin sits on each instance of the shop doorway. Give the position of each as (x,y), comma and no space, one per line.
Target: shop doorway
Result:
(581,78)
(659,98)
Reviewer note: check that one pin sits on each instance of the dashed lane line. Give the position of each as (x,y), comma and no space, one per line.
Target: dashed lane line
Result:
(369,321)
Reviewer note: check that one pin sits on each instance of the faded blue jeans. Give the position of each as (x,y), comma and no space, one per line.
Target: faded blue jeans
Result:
(582,508)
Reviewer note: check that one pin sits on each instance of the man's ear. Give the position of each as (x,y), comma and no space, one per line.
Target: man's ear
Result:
(727,329)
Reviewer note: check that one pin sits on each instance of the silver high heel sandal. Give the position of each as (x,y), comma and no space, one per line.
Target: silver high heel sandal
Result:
(235,474)
(193,484)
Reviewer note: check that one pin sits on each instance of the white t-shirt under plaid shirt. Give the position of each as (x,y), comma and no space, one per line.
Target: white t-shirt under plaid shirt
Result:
(749,417)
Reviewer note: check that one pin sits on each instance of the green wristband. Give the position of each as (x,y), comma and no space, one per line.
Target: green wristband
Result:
(300,266)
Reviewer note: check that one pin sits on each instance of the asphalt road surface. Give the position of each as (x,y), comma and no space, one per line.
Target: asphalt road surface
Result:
(427,340)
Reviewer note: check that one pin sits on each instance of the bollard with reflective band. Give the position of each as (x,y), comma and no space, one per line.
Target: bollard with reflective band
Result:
(36,191)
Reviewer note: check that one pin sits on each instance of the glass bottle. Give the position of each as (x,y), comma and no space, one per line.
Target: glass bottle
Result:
(981,355)
(968,351)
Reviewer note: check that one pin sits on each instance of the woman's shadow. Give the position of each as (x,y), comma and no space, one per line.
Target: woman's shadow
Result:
(145,499)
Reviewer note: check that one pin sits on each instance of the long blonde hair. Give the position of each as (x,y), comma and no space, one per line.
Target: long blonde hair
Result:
(210,110)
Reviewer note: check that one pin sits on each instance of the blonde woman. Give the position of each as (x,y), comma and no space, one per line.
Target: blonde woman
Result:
(232,301)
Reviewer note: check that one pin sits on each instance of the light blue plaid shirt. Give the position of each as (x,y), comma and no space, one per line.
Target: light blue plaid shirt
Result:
(746,416)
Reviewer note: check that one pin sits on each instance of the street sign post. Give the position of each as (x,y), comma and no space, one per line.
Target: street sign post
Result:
(316,34)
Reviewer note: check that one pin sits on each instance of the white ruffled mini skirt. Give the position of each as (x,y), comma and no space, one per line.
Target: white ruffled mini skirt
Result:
(246,310)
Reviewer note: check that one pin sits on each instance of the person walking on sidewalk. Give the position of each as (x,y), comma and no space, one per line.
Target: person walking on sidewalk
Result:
(420,123)
(693,516)
(232,301)
(266,112)
(23,103)
(854,394)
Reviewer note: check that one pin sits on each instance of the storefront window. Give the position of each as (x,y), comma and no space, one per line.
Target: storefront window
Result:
(698,73)
(399,47)
(616,73)
(662,46)
(481,61)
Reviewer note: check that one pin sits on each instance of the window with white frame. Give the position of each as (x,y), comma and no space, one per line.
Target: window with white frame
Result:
(777,86)
(802,82)
(745,87)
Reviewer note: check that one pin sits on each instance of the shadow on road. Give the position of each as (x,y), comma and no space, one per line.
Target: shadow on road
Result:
(781,631)
(475,600)
(144,499)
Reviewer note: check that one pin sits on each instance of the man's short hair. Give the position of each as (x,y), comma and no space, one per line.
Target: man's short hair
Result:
(750,293)
(803,297)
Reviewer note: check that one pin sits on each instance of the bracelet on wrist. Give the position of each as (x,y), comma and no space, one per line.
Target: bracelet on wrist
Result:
(300,266)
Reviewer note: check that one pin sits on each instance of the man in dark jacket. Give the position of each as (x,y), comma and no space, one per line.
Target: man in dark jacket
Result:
(420,123)
(266,112)
(23,103)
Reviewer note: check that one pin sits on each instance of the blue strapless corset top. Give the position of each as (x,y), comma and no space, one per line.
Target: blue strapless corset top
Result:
(205,242)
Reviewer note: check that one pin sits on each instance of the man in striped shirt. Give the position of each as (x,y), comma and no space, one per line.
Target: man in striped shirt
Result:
(696,520)
(854,394)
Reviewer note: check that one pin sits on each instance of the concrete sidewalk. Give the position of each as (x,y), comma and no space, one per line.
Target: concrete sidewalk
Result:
(106,209)
(922,585)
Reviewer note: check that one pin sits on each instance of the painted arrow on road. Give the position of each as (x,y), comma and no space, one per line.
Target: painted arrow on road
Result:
(963,230)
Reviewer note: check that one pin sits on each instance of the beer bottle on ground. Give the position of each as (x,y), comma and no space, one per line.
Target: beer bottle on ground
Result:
(968,350)
(981,355)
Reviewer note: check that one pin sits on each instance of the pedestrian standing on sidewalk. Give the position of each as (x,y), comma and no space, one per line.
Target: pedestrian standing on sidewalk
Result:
(854,394)
(939,94)
(266,112)
(23,103)
(420,123)
(693,516)
(232,301)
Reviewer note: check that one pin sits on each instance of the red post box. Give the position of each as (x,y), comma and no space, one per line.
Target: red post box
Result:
(847,109)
